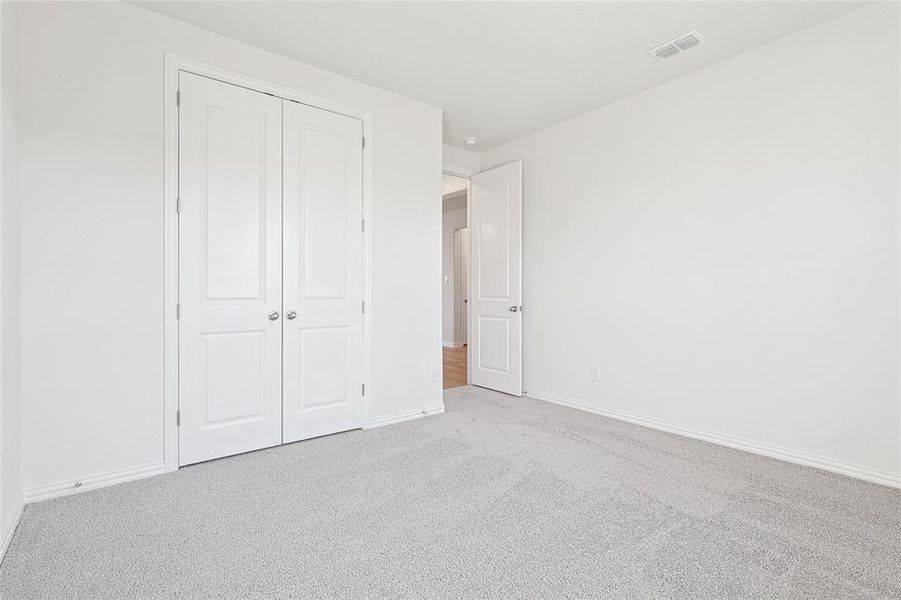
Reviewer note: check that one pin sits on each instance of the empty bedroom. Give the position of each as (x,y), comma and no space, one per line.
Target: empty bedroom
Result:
(452,299)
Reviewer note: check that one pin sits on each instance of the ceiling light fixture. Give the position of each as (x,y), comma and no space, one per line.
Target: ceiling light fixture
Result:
(470,141)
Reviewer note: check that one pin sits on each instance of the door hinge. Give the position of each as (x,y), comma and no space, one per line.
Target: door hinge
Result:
(178,311)
(178,206)
(363,226)
(363,389)
(178,418)
(178,99)
(363,307)
(364,143)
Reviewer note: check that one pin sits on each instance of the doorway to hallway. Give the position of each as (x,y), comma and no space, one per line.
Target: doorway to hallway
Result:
(455,267)
(482,301)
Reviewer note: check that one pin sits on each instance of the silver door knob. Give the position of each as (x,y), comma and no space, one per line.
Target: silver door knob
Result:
(514,309)
(290,315)
(273,316)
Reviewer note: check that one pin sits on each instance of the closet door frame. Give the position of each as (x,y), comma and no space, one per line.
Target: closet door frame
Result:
(173,65)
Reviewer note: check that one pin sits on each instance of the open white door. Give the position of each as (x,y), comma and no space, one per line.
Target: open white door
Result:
(496,275)
(230,267)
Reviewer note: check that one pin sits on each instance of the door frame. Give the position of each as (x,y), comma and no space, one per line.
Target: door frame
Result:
(466,174)
(173,64)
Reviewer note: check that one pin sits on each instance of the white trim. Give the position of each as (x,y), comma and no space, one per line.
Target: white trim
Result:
(174,64)
(170,267)
(457,171)
(452,345)
(792,456)
(469,270)
(448,169)
(367,265)
(409,415)
(898,250)
(6,534)
(92,482)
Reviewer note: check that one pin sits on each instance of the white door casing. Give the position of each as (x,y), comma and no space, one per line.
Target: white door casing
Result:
(496,279)
(230,221)
(457,339)
(323,272)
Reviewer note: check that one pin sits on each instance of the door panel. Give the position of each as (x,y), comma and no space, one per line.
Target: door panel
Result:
(233,395)
(324,356)
(323,210)
(496,275)
(229,269)
(494,242)
(233,205)
(494,343)
(323,272)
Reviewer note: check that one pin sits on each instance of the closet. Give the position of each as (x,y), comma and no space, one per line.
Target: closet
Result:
(270,270)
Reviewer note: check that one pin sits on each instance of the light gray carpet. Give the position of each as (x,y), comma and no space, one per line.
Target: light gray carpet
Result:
(498,498)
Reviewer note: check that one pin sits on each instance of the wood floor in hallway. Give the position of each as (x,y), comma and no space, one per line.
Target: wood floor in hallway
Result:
(454,367)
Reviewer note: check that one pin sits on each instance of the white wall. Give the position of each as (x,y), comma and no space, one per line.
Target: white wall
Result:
(10,288)
(461,162)
(453,219)
(725,248)
(92,243)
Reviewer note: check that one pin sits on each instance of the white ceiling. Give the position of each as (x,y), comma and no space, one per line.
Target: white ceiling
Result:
(501,70)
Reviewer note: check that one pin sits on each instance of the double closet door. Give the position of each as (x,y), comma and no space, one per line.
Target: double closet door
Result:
(270,270)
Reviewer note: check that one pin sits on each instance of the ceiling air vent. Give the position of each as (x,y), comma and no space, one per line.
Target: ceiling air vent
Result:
(677,46)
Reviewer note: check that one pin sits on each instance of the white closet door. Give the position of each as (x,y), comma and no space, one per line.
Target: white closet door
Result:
(230,337)
(496,298)
(323,272)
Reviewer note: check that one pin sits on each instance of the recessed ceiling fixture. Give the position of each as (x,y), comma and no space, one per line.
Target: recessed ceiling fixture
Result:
(677,46)
(470,141)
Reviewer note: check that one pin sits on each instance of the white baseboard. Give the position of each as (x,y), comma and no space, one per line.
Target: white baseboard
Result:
(93,482)
(792,456)
(8,529)
(409,415)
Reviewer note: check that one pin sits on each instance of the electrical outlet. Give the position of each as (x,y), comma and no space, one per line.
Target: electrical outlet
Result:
(596,372)
(433,375)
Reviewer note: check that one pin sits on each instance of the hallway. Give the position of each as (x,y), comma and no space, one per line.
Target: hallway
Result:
(454,367)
